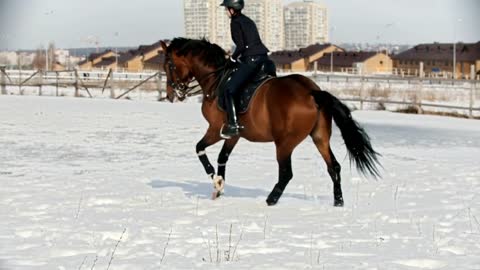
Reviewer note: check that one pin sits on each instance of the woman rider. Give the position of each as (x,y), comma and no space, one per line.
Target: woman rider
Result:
(250,53)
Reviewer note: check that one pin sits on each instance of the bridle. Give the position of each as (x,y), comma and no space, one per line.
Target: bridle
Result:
(182,89)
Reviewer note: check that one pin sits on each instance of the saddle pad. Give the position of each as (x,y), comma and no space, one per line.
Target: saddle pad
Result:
(243,99)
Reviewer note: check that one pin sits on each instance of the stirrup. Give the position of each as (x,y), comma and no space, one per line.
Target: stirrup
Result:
(237,127)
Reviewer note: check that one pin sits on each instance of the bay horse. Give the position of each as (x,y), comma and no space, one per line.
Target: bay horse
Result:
(284,110)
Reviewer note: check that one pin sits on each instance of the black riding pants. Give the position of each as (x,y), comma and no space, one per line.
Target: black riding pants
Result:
(247,68)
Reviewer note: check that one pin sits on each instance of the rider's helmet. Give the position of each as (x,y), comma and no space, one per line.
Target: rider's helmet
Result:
(237,5)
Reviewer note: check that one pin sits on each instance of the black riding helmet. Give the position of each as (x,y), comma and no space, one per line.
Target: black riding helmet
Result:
(235,4)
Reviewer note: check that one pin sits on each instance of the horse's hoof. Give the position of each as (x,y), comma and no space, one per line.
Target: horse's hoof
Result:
(338,203)
(271,202)
(274,196)
(217,194)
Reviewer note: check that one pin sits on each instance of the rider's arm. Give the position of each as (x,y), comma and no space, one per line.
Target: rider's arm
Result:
(237,36)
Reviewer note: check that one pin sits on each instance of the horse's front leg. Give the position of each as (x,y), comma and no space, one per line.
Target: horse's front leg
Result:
(227,149)
(210,138)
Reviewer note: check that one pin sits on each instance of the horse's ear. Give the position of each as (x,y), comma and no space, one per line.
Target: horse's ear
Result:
(164,45)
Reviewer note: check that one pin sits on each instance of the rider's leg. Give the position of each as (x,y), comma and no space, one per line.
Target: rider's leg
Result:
(235,85)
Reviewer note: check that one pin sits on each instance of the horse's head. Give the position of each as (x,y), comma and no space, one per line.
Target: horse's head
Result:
(177,70)
(186,59)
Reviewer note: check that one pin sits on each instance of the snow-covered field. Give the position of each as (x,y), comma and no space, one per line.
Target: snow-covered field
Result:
(104,184)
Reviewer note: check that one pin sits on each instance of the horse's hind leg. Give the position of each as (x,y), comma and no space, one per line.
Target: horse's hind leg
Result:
(321,137)
(284,159)
(284,175)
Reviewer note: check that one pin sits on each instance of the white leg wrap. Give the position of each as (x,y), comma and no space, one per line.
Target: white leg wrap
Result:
(218,183)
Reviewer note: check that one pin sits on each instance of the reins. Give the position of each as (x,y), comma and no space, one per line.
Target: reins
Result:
(183,89)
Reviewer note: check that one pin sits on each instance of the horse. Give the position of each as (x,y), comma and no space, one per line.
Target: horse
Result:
(285,110)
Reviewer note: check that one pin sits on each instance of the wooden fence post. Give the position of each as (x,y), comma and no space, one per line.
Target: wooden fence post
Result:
(112,86)
(76,84)
(3,81)
(159,86)
(362,88)
(473,83)
(40,83)
(56,92)
(19,80)
(419,94)
(112,91)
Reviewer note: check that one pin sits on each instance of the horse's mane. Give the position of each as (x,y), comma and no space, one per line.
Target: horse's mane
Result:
(211,54)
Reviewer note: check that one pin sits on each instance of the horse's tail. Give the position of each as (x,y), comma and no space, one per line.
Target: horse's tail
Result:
(356,139)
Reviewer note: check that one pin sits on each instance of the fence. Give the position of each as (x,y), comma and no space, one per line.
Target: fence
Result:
(82,83)
(438,94)
(390,92)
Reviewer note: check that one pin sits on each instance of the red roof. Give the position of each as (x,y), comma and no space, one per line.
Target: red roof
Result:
(345,59)
(106,61)
(288,57)
(158,59)
(142,49)
(441,51)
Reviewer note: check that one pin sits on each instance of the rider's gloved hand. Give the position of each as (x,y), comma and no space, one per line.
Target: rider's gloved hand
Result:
(230,64)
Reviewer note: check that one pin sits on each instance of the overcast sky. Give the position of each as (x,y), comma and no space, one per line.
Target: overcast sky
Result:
(27,24)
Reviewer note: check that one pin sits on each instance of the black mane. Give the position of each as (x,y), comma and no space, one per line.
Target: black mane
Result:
(211,54)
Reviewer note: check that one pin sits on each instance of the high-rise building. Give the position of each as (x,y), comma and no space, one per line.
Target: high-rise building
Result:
(198,18)
(297,25)
(268,16)
(306,23)
(222,35)
(206,19)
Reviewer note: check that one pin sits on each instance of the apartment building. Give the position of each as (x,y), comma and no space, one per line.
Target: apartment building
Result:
(207,19)
(292,27)
(305,23)
(268,15)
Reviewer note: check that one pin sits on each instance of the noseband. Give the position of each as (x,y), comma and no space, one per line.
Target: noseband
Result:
(180,88)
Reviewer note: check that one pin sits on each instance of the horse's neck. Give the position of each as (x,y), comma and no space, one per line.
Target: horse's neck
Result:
(207,80)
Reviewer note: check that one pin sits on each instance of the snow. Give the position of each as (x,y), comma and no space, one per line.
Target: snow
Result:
(84,178)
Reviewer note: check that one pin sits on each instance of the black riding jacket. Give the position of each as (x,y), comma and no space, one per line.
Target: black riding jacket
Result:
(246,38)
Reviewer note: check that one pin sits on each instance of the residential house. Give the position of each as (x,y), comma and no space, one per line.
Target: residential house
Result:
(356,62)
(437,59)
(303,59)
(57,66)
(133,60)
(93,59)
(155,63)
(107,63)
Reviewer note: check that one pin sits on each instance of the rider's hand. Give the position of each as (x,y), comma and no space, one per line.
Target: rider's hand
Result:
(230,64)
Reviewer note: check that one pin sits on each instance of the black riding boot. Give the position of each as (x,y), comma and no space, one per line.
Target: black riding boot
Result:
(232,128)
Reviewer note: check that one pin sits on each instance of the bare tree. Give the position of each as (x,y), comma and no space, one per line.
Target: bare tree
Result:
(23,61)
(39,59)
(52,59)
(4,61)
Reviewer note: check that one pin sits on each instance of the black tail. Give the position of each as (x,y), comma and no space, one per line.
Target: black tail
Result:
(356,139)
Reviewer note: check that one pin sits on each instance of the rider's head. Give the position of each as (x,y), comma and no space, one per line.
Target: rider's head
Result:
(233,7)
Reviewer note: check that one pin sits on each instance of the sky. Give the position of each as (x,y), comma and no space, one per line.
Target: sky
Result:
(28,24)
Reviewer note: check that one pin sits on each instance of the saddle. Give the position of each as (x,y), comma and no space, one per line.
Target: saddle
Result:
(266,72)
